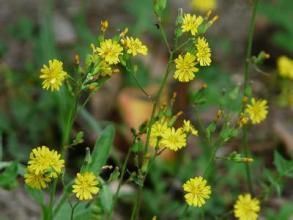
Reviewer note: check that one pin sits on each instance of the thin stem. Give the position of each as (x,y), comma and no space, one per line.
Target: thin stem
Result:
(51,200)
(123,171)
(245,90)
(73,209)
(211,160)
(135,210)
(140,86)
(163,33)
(249,46)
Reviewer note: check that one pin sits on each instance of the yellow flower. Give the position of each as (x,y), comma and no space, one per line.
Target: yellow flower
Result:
(85,185)
(204,5)
(173,139)
(36,181)
(188,128)
(285,67)
(191,23)
(257,110)
(158,128)
(134,46)
(197,191)
(246,208)
(53,75)
(45,161)
(203,54)
(110,51)
(185,67)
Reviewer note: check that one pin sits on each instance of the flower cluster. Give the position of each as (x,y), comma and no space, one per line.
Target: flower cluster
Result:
(246,207)
(85,185)
(43,166)
(163,135)
(113,51)
(53,75)
(197,191)
(198,54)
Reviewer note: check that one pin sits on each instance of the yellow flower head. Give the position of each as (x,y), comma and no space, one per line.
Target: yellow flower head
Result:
(158,128)
(53,75)
(285,67)
(36,181)
(203,54)
(204,5)
(257,110)
(110,51)
(197,191)
(134,46)
(45,161)
(85,185)
(173,139)
(188,128)
(246,208)
(191,23)
(185,67)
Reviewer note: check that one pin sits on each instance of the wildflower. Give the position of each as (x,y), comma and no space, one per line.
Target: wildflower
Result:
(104,26)
(85,185)
(197,191)
(257,110)
(185,67)
(110,51)
(188,128)
(53,75)
(173,139)
(204,5)
(203,54)
(134,46)
(191,23)
(158,128)
(43,160)
(246,207)
(285,67)
(36,181)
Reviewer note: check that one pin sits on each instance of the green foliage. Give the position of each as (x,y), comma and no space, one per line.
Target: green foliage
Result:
(284,167)
(159,7)
(8,178)
(101,150)
(280,14)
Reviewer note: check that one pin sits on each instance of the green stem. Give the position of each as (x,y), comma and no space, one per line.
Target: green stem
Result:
(51,200)
(245,90)
(135,210)
(123,171)
(72,209)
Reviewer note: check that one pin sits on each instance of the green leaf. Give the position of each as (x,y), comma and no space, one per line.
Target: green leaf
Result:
(106,199)
(227,133)
(284,167)
(274,182)
(101,150)
(159,6)
(8,176)
(211,129)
